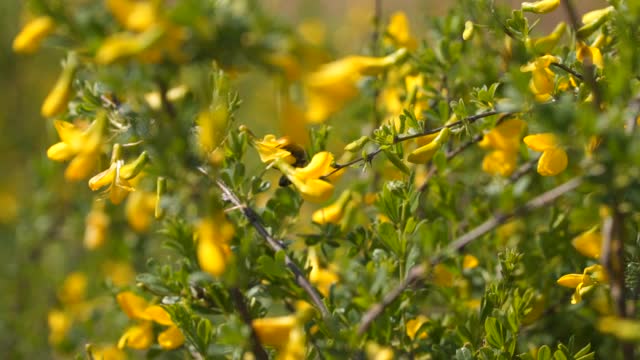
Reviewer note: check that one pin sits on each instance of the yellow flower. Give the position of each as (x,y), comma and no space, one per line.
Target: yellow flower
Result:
(469,262)
(540,7)
(554,159)
(119,272)
(171,338)
(589,243)
(96,225)
(425,152)
(308,179)
(140,336)
(414,325)
(81,145)
(583,283)
(468,30)
(546,44)
(505,140)
(399,32)
(140,210)
(116,178)
(329,88)
(624,329)
(134,15)
(32,34)
(271,148)
(542,78)
(321,277)
(108,353)
(214,235)
(59,325)
(275,331)
(74,288)
(58,99)
(211,127)
(378,352)
(125,45)
(333,213)
(589,55)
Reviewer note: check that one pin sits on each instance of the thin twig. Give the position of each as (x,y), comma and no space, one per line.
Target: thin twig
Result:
(275,245)
(241,305)
(523,170)
(398,139)
(419,272)
(568,69)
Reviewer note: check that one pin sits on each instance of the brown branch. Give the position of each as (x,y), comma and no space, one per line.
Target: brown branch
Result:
(275,245)
(568,69)
(241,305)
(419,272)
(612,259)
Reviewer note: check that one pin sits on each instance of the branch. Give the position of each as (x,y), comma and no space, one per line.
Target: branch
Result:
(568,69)
(419,272)
(239,302)
(275,245)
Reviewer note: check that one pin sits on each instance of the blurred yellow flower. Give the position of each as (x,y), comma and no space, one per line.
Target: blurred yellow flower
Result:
(329,88)
(214,235)
(546,44)
(58,98)
(399,32)
(542,78)
(583,283)
(81,145)
(121,46)
(554,159)
(140,336)
(134,15)
(321,277)
(441,276)
(271,148)
(96,226)
(469,262)
(32,34)
(108,353)
(73,289)
(540,7)
(211,128)
(140,210)
(504,139)
(589,243)
(275,331)
(120,273)
(333,213)
(59,324)
(589,55)
(414,325)
(310,180)
(378,352)
(468,30)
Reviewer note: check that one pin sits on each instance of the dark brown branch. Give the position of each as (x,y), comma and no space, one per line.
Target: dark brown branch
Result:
(612,258)
(419,272)
(275,245)
(241,305)
(568,69)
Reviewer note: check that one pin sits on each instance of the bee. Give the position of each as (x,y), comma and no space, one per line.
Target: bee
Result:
(301,160)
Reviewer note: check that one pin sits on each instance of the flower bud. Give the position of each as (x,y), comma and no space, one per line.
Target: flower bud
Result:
(540,7)
(30,37)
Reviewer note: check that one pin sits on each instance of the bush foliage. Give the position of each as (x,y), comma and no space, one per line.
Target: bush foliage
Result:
(465,192)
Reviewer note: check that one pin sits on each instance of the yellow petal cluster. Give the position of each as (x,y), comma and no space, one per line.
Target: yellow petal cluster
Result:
(583,283)
(424,153)
(504,140)
(81,145)
(542,78)
(313,181)
(29,39)
(140,336)
(554,159)
(118,176)
(330,87)
(214,235)
(96,226)
(414,325)
(271,148)
(321,277)
(589,55)
(284,333)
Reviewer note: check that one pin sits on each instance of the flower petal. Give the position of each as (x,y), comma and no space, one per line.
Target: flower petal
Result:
(552,162)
